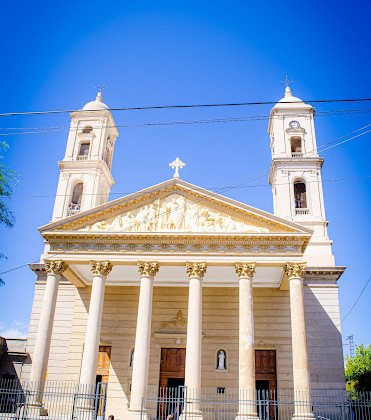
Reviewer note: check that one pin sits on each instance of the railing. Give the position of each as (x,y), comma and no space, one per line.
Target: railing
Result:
(82,157)
(296,154)
(224,404)
(23,400)
(301,211)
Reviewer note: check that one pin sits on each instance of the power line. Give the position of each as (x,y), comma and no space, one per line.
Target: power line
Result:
(140,108)
(43,130)
(238,183)
(355,303)
(210,188)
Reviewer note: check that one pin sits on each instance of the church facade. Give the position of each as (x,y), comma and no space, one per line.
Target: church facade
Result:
(176,285)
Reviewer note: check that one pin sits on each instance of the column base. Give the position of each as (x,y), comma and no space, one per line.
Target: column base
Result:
(136,415)
(308,416)
(250,416)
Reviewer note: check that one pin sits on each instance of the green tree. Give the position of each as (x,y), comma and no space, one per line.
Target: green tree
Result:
(7,181)
(358,369)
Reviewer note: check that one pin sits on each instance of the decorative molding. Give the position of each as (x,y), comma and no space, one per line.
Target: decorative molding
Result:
(245,269)
(295,270)
(196,269)
(192,196)
(102,268)
(262,345)
(178,245)
(148,268)
(178,319)
(55,267)
(174,213)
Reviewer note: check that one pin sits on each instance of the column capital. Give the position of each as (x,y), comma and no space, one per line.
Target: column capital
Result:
(196,269)
(245,270)
(102,268)
(55,267)
(295,270)
(148,268)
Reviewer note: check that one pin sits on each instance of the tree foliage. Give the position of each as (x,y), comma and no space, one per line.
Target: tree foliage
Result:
(7,181)
(358,369)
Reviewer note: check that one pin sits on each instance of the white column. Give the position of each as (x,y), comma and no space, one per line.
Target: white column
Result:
(301,375)
(148,270)
(40,358)
(246,352)
(196,272)
(100,270)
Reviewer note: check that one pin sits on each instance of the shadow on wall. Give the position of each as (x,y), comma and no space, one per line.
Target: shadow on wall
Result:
(325,349)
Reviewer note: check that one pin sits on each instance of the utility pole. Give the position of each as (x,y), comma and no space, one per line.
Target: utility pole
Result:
(351,345)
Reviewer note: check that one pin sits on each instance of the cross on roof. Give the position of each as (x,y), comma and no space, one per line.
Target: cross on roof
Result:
(177,164)
(101,87)
(287,81)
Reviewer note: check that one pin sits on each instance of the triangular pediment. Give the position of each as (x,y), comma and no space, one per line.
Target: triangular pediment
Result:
(175,206)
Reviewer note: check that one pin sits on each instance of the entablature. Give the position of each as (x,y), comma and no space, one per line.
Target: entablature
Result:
(182,244)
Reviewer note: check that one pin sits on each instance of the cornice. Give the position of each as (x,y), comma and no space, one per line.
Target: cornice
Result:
(123,243)
(82,165)
(320,273)
(291,163)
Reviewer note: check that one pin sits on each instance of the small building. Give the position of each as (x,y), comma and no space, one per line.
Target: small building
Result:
(177,285)
(13,356)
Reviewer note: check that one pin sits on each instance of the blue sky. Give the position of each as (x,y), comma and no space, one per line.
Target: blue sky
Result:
(160,53)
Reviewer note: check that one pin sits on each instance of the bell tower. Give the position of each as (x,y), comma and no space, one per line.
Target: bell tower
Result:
(295,173)
(85,176)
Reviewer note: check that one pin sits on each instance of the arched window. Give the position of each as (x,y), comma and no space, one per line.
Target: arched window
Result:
(75,204)
(296,147)
(87,129)
(221,359)
(300,195)
(84,150)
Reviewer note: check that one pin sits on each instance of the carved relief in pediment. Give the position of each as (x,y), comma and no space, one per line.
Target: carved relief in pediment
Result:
(174,213)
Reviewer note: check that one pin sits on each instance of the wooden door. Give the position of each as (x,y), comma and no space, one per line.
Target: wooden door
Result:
(104,358)
(172,374)
(266,382)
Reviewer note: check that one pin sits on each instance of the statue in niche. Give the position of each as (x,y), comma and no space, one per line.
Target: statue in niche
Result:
(221,360)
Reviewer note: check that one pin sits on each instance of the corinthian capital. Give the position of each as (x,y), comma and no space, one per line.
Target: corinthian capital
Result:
(245,269)
(102,268)
(148,268)
(196,269)
(55,267)
(295,270)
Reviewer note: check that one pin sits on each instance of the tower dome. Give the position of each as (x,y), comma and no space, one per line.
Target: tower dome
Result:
(289,101)
(96,105)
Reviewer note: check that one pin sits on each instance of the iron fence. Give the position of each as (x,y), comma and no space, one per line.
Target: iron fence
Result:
(224,404)
(24,400)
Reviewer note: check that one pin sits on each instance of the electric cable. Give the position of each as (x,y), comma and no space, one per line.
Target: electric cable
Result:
(43,130)
(209,188)
(355,303)
(252,178)
(140,108)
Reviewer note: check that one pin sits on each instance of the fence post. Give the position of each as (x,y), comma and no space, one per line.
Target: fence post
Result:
(104,401)
(96,400)
(141,408)
(25,401)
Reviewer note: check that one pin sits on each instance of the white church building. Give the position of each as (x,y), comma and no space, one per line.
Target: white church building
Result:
(176,285)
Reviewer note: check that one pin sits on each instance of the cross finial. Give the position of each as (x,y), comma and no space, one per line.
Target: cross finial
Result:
(177,164)
(101,87)
(287,81)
